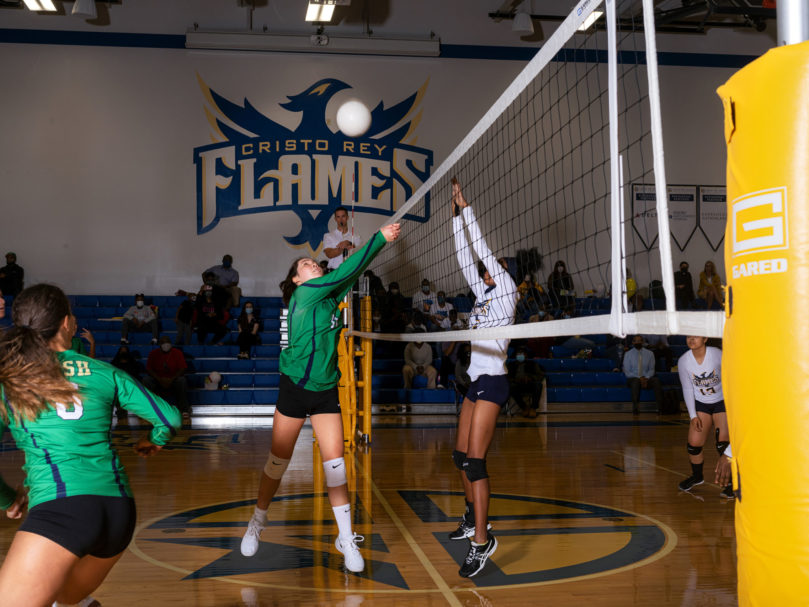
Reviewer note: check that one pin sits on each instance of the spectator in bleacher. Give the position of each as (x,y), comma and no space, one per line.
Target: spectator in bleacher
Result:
(210,316)
(220,294)
(184,319)
(525,378)
(249,328)
(124,360)
(456,323)
(393,310)
(439,312)
(423,299)
(639,369)
(11,276)
(531,299)
(683,287)
(418,359)
(710,287)
(374,282)
(560,290)
(416,323)
(139,317)
(341,241)
(659,345)
(77,345)
(165,374)
(228,278)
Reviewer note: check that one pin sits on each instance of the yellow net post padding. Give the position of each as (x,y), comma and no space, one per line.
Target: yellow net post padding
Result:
(365,359)
(347,386)
(765,366)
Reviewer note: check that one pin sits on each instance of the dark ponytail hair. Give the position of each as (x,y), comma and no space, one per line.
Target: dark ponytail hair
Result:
(287,285)
(481,268)
(29,370)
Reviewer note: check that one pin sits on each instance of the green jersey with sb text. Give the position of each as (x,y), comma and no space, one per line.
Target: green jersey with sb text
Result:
(67,447)
(314,323)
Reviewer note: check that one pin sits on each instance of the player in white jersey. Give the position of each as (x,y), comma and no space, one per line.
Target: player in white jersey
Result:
(701,377)
(496,299)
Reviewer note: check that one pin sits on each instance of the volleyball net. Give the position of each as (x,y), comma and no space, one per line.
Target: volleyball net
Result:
(565,176)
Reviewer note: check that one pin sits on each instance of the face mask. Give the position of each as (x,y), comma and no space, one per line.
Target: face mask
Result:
(441,300)
(565,315)
(520,357)
(638,346)
(683,270)
(226,264)
(425,288)
(248,310)
(139,304)
(542,313)
(193,299)
(209,281)
(165,347)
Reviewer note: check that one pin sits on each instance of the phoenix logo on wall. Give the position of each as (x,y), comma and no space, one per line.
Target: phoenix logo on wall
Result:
(257,165)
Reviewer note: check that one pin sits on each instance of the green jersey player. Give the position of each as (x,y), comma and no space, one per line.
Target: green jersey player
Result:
(309,387)
(58,406)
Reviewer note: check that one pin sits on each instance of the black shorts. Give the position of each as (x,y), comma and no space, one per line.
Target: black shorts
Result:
(294,401)
(710,408)
(97,525)
(493,388)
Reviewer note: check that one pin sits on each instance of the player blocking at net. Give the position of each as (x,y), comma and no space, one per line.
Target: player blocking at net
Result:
(308,386)
(496,299)
(58,405)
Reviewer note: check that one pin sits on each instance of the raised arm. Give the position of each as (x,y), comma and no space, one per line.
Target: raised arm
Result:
(336,284)
(496,271)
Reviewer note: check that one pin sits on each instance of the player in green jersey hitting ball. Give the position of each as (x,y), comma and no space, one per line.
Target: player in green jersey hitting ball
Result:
(309,387)
(58,406)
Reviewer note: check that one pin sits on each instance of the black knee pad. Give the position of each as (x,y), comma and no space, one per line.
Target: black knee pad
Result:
(721,445)
(692,450)
(475,469)
(458,458)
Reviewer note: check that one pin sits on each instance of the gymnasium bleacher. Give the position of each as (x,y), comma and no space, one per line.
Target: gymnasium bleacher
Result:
(252,385)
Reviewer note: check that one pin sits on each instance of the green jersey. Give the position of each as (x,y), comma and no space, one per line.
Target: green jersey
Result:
(67,447)
(314,324)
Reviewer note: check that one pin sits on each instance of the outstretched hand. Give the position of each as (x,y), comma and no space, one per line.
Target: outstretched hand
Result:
(145,448)
(17,509)
(458,200)
(391,232)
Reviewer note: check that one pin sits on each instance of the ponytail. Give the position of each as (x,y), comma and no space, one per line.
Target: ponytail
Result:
(287,285)
(29,370)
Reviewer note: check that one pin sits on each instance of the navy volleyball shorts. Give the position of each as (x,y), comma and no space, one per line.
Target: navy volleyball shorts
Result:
(710,408)
(493,388)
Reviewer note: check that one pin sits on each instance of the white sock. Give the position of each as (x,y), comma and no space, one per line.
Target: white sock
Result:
(343,516)
(88,600)
(260,515)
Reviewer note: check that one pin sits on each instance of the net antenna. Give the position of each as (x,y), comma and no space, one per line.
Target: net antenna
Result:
(568,161)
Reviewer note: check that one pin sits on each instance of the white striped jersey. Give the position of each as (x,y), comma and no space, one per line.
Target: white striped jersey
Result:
(494,306)
(701,382)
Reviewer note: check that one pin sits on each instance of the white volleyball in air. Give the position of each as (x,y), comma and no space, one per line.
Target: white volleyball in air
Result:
(353,118)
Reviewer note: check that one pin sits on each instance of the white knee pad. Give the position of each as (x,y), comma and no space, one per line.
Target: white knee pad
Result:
(275,467)
(335,470)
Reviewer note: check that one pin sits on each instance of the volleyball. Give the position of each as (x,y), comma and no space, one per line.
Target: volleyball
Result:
(353,118)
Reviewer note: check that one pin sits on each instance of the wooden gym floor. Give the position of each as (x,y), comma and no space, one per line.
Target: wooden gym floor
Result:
(585,507)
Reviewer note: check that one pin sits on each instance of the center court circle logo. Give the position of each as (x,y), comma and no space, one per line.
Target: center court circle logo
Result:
(541,541)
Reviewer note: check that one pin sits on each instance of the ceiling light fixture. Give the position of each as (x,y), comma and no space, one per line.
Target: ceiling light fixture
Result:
(321,13)
(522,23)
(591,18)
(84,8)
(40,5)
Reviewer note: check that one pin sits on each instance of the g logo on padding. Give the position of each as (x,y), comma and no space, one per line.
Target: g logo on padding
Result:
(759,222)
